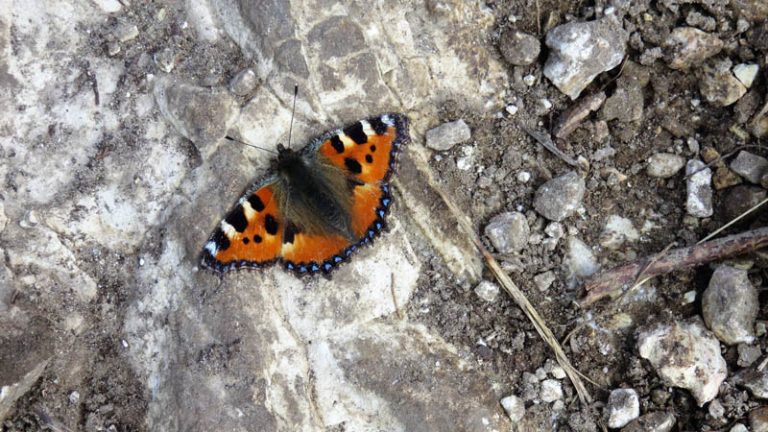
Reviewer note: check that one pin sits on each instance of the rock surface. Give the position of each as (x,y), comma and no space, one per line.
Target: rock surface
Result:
(729,305)
(686,355)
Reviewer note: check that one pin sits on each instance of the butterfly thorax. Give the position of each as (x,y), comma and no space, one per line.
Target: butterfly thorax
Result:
(315,194)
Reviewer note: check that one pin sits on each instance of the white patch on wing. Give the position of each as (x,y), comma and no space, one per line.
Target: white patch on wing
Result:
(367,128)
(228,229)
(347,141)
(388,120)
(212,248)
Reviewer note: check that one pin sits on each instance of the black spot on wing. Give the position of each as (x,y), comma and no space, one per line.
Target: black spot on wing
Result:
(369,158)
(378,126)
(353,166)
(237,219)
(290,232)
(337,144)
(221,240)
(257,238)
(270,224)
(256,202)
(246,240)
(373,148)
(356,133)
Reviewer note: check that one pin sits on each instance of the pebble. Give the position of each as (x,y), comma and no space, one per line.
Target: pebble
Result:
(664,165)
(750,166)
(738,427)
(759,124)
(544,280)
(165,60)
(754,380)
(518,48)
(551,390)
(508,232)
(579,51)
(3,217)
(758,419)
(660,421)
(74,397)
(686,355)
(616,231)
(739,199)
(715,409)
(724,178)
(555,230)
(514,407)
(487,291)
(113,49)
(558,372)
(560,197)
(623,406)
(511,109)
(580,260)
(730,305)
(746,73)
(748,354)
(688,46)
(244,82)
(125,32)
(699,199)
(529,80)
(448,135)
(720,87)
(624,105)
(523,176)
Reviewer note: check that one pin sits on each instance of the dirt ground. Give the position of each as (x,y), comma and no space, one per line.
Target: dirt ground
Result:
(673,114)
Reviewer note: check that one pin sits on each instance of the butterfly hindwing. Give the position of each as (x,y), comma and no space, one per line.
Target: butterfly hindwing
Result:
(251,233)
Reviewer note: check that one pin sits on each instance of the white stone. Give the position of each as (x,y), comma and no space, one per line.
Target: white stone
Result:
(664,165)
(514,407)
(487,291)
(699,199)
(551,390)
(616,231)
(523,176)
(580,259)
(746,73)
(623,407)
(544,280)
(447,135)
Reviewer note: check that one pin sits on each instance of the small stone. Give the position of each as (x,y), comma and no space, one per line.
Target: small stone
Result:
(730,305)
(165,60)
(514,407)
(529,80)
(699,199)
(739,199)
(508,232)
(750,166)
(511,109)
(659,421)
(579,51)
(523,176)
(560,197)
(623,406)
(686,355)
(74,397)
(544,280)
(748,354)
(759,124)
(580,260)
(3,217)
(758,419)
(555,230)
(688,46)
(125,32)
(664,165)
(448,135)
(689,297)
(113,49)
(724,178)
(518,48)
(465,161)
(558,372)
(754,380)
(625,105)
(616,231)
(738,427)
(720,87)
(244,82)
(487,291)
(746,73)
(715,409)
(551,390)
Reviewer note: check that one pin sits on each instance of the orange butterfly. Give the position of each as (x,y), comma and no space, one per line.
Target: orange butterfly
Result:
(317,205)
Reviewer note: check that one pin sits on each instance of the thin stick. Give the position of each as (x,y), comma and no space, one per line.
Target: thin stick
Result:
(546,141)
(615,281)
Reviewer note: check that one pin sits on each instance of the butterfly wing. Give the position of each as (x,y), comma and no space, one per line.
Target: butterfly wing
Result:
(367,152)
(251,233)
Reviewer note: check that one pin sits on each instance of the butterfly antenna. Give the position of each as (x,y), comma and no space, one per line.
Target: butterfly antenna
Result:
(293,113)
(249,145)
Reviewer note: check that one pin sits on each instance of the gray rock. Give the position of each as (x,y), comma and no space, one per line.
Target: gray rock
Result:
(688,46)
(660,421)
(514,407)
(730,305)
(244,82)
(551,390)
(625,105)
(750,166)
(580,260)
(699,185)
(508,232)
(560,197)
(715,409)
(487,291)
(759,123)
(337,37)
(720,87)
(623,406)
(555,230)
(448,135)
(582,50)
(748,354)
(738,427)
(518,48)
(754,380)
(746,73)
(685,355)
(616,231)
(544,280)
(664,165)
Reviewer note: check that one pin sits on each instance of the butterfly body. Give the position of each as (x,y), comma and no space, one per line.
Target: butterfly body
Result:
(317,205)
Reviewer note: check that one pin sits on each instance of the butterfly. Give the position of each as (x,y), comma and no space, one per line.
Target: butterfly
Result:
(316,205)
